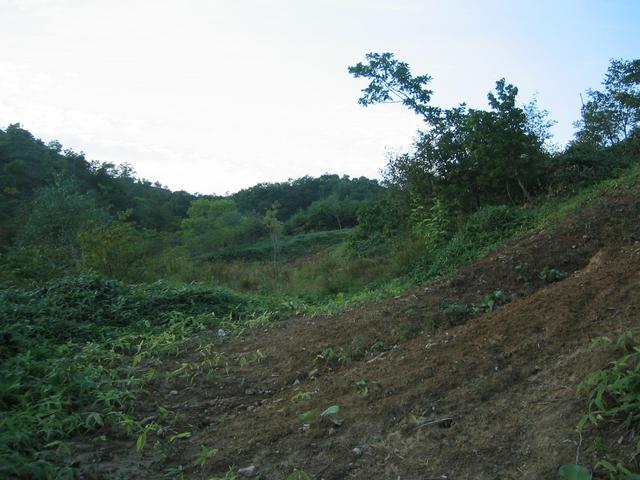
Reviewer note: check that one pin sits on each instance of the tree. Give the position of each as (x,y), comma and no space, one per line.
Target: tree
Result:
(212,225)
(469,155)
(275,228)
(391,82)
(612,114)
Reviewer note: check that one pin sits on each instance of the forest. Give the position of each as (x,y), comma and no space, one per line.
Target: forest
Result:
(103,273)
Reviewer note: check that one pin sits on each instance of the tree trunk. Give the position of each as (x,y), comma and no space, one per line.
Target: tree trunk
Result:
(525,192)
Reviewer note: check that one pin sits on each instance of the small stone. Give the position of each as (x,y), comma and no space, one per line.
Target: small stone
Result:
(222,333)
(249,472)
(297,382)
(249,391)
(173,392)
(146,421)
(357,451)
(314,373)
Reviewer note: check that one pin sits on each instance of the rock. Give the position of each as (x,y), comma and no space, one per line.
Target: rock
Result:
(173,392)
(357,451)
(314,373)
(249,391)
(146,421)
(222,333)
(249,472)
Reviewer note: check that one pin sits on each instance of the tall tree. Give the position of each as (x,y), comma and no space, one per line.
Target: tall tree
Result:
(613,113)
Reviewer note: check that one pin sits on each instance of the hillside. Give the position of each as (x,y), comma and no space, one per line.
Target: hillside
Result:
(436,383)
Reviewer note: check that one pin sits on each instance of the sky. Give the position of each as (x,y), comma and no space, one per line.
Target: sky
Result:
(212,96)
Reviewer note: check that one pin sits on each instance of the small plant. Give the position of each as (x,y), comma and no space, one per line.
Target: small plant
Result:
(327,355)
(330,356)
(617,471)
(179,436)
(613,391)
(142,437)
(230,475)
(308,416)
(490,300)
(456,311)
(175,472)
(550,275)
(332,414)
(363,389)
(298,475)
(205,454)
(613,394)
(301,396)
(574,471)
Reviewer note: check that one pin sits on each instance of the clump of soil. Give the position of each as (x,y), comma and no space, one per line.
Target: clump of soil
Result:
(432,384)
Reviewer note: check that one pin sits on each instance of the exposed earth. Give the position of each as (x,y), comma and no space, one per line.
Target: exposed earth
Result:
(438,383)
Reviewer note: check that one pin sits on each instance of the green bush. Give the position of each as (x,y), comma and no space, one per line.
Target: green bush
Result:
(483,231)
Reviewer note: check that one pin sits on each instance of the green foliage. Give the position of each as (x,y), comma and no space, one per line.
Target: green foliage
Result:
(490,300)
(391,82)
(73,355)
(574,472)
(297,195)
(330,213)
(613,392)
(120,250)
(611,115)
(332,414)
(298,475)
(613,395)
(434,227)
(212,225)
(550,275)
(617,471)
(483,230)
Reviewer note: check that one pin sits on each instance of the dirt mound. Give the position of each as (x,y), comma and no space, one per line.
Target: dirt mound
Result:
(437,383)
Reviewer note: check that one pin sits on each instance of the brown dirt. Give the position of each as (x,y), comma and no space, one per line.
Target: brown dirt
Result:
(500,385)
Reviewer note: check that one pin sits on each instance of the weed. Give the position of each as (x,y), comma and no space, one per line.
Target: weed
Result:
(363,389)
(617,471)
(301,396)
(205,454)
(407,331)
(574,472)
(175,472)
(550,275)
(298,475)
(457,311)
(142,437)
(613,395)
(230,475)
(332,414)
(490,300)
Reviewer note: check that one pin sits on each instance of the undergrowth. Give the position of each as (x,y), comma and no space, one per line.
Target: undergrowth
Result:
(77,352)
(613,400)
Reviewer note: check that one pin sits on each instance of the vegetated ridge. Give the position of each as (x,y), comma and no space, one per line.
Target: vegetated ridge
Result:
(439,382)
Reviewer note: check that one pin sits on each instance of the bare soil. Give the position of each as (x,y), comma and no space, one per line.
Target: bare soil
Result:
(430,384)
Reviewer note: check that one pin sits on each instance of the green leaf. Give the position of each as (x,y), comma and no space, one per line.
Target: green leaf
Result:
(180,436)
(298,475)
(333,410)
(142,440)
(308,416)
(572,471)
